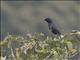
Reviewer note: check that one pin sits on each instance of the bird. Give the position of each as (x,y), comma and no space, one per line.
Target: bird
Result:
(52,27)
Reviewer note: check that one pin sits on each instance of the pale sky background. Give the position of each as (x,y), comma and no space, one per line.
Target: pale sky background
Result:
(20,17)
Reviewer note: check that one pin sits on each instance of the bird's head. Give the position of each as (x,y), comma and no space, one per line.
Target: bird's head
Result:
(48,20)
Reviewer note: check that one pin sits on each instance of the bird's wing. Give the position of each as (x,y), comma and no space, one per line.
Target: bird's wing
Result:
(51,25)
(55,31)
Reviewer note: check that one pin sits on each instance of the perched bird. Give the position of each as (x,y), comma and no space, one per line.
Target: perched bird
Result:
(52,27)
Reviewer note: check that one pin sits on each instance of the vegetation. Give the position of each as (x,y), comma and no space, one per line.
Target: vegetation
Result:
(37,46)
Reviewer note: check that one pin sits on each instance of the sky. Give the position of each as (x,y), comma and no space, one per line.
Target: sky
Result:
(21,17)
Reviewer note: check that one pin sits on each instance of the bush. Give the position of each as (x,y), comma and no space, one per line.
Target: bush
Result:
(40,47)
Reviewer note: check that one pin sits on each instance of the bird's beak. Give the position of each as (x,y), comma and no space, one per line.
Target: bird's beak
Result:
(44,20)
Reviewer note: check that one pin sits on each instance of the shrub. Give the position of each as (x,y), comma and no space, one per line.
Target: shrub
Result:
(40,47)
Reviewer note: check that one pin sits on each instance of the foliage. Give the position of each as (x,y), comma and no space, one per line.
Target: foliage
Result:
(40,47)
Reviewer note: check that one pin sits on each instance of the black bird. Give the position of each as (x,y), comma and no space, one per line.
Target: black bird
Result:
(52,27)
